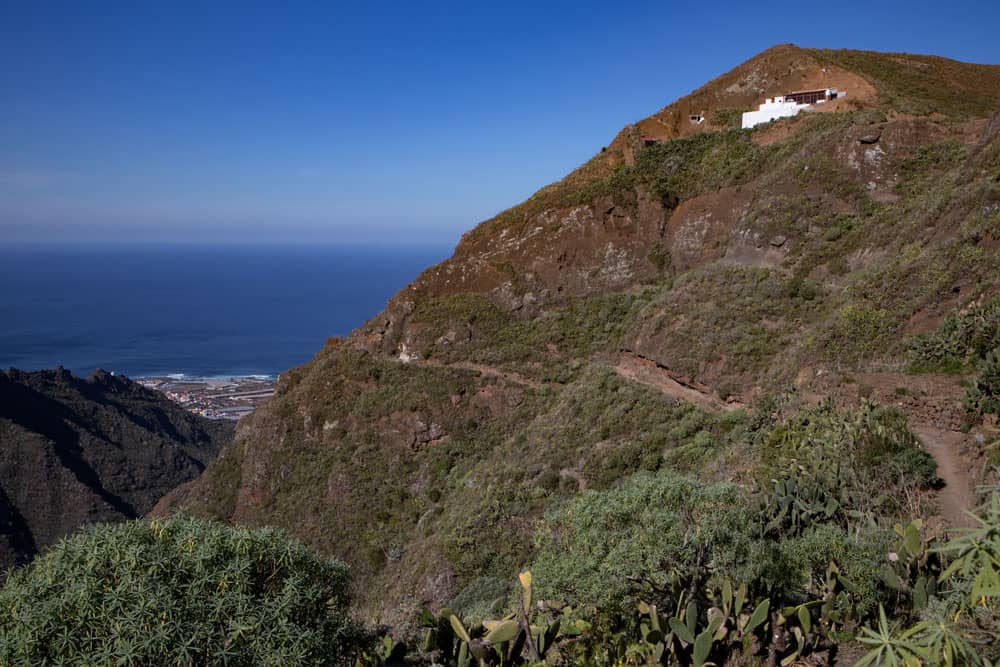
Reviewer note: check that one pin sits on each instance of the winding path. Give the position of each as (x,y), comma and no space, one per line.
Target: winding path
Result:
(955,499)
(482,369)
(958,495)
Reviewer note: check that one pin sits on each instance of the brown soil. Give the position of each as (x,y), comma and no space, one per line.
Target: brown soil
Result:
(490,371)
(747,85)
(484,370)
(648,372)
(957,497)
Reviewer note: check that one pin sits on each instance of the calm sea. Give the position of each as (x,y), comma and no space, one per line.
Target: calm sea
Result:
(197,311)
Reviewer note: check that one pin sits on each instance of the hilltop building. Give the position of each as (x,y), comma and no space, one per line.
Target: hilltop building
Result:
(785,106)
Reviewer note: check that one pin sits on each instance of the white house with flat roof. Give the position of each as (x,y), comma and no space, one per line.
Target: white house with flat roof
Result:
(785,106)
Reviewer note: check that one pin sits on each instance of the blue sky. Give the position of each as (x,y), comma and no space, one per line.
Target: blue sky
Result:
(365,121)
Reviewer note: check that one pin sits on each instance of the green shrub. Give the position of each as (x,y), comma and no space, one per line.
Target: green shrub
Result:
(860,331)
(649,535)
(971,334)
(178,591)
(681,168)
(860,560)
(481,598)
(731,117)
(959,624)
(833,233)
(983,397)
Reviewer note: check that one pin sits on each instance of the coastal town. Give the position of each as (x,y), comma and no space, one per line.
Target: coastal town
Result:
(215,398)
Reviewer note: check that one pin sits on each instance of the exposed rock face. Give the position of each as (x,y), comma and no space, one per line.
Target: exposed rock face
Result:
(714,265)
(562,243)
(76,451)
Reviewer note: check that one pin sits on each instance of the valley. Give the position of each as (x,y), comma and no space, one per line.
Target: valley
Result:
(727,393)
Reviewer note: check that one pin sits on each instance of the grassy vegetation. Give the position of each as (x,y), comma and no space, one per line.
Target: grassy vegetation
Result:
(833,224)
(929,162)
(701,560)
(598,429)
(961,341)
(967,342)
(672,171)
(860,332)
(730,117)
(743,315)
(835,467)
(680,572)
(922,85)
(540,346)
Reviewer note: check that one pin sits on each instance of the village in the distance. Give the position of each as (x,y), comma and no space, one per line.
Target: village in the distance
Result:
(215,398)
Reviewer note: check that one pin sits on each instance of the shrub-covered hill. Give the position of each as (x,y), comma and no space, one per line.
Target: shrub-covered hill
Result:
(75,451)
(673,308)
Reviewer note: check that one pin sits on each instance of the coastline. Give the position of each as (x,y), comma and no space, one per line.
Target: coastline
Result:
(214,397)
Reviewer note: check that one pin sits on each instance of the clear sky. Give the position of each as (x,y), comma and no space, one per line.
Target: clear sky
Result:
(366,121)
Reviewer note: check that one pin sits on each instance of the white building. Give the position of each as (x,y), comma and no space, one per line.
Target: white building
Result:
(785,106)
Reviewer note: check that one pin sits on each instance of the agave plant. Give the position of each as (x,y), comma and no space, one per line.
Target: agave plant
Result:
(891,649)
(943,643)
(976,554)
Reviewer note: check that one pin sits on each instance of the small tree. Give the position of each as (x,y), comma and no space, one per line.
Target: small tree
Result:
(178,592)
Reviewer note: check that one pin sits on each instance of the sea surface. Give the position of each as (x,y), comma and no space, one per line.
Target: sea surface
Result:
(207,311)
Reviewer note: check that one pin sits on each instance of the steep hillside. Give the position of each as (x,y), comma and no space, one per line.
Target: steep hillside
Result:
(76,451)
(664,307)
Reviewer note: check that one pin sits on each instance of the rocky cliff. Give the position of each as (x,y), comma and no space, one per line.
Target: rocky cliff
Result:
(75,451)
(631,316)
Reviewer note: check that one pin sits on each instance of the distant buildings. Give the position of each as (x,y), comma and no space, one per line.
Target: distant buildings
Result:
(785,106)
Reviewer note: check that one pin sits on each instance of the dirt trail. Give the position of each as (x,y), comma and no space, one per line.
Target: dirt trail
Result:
(490,371)
(482,369)
(645,371)
(958,496)
(933,407)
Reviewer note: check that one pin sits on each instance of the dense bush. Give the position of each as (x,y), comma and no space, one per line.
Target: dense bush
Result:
(652,534)
(493,336)
(684,167)
(968,340)
(178,591)
(825,465)
(840,579)
(959,622)
(965,336)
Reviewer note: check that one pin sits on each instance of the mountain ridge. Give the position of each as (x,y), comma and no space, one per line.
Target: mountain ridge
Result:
(76,451)
(765,267)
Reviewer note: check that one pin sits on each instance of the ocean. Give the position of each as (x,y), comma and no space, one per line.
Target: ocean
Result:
(207,311)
